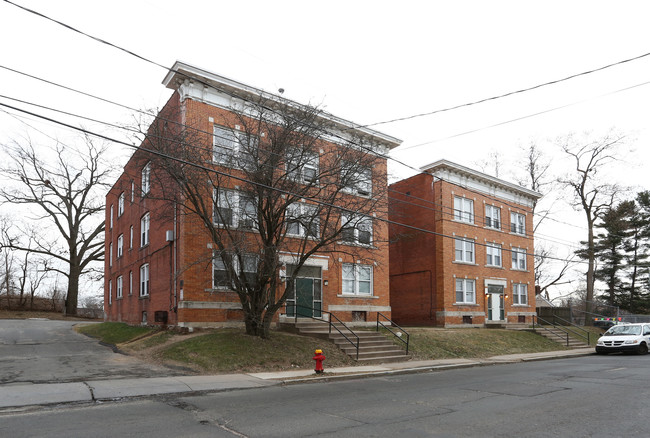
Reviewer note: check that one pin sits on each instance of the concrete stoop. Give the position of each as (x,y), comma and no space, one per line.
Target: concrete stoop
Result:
(374,347)
(560,337)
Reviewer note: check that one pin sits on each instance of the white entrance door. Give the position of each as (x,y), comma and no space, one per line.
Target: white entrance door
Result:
(495,301)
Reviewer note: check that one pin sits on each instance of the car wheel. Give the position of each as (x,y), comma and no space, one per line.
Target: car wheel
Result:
(643,348)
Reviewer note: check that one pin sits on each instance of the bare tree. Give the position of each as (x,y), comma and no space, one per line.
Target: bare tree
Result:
(276,184)
(592,194)
(64,192)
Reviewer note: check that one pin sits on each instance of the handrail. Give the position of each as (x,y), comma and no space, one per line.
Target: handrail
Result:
(575,326)
(330,323)
(558,327)
(394,334)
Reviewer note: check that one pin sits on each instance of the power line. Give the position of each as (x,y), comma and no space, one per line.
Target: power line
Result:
(511,93)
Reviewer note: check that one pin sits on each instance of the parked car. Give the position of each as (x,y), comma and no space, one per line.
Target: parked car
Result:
(625,338)
(605,323)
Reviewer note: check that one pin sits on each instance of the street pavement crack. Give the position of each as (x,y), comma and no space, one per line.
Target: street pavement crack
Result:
(90,388)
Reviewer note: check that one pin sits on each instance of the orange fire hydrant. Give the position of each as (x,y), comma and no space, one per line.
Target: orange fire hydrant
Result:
(319,358)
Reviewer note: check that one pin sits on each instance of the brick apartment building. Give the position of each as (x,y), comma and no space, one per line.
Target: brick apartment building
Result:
(475,267)
(161,265)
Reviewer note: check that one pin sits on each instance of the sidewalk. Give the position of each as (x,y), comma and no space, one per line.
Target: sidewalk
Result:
(27,394)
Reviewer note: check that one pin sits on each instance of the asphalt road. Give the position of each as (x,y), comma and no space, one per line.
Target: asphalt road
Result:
(589,396)
(43,351)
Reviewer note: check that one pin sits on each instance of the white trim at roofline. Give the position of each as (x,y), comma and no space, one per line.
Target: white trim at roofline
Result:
(181,71)
(473,179)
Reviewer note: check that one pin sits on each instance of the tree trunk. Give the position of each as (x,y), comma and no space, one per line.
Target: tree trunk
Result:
(73,291)
(590,272)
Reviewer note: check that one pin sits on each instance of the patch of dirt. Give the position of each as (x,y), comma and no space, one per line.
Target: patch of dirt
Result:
(152,354)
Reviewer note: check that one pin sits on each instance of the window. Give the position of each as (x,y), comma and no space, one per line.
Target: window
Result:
(519,258)
(144,280)
(110,254)
(303,220)
(517,223)
(464,250)
(132,191)
(357,279)
(465,291)
(130,282)
(234,209)
(119,287)
(131,237)
(229,146)
(356,229)
(519,294)
(146,178)
(120,205)
(356,179)
(120,245)
(493,254)
(144,230)
(492,217)
(303,166)
(110,292)
(111,219)
(221,277)
(463,209)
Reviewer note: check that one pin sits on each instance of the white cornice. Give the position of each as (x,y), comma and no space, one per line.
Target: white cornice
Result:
(200,84)
(481,182)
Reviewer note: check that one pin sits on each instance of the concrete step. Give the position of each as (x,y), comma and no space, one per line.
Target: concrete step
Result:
(384,359)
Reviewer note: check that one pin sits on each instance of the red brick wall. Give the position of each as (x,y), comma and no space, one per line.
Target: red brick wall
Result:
(197,303)
(416,254)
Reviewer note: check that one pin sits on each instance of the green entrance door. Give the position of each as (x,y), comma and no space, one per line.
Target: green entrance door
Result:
(305,296)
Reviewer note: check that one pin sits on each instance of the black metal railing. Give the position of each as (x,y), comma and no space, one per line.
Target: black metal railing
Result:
(388,327)
(330,323)
(568,328)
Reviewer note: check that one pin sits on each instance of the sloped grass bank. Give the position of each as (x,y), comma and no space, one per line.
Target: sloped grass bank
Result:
(114,332)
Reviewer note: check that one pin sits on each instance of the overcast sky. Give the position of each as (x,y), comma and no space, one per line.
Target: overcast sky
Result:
(366,61)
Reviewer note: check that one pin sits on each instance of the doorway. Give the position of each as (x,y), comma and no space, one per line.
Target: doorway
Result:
(306,297)
(495,303)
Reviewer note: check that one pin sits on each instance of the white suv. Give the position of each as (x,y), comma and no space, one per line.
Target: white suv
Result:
(625,338)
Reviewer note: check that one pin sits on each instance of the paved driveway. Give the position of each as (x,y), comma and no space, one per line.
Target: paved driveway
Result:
(41,351)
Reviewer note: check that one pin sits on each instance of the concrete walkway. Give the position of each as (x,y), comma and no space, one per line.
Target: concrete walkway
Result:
(23,395)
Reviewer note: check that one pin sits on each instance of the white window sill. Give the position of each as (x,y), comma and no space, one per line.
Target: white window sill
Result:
(464,222)
(466,304)
(520,305)
(494,266)
(460,262)
(519,270)
(372,297)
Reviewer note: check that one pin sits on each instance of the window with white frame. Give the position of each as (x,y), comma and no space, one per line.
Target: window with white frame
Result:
(221,278)
(131,237)
(146,179)
(303,166)
(110,254)
(144,280)
(357,279)
(118,289)
(356,179)
(465,291)
(110,292)
(517,223)
(120,245)
(492,217)
(120,205)
(111,218)
(519,294)
(303,220)
(132,191)
(463,209)
(144,230)
(234,209)
(356,229)
(464,250)
(493,254)
(130,282)
(518,258)
(232,148)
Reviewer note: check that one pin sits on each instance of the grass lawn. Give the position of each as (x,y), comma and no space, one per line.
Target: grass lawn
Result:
(231,350)
(114,332)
